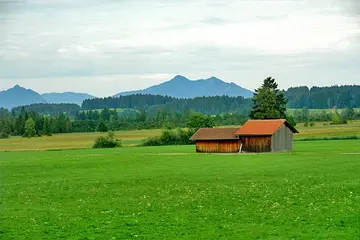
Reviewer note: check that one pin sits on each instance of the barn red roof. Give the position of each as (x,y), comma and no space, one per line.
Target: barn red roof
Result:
(215,134)
(263,127)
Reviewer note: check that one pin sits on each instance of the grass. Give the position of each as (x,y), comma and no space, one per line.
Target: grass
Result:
(72,140)
(329,138)
(174,193)
(320,130)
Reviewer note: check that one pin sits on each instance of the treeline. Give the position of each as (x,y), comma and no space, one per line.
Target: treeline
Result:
(42,124)
(105,120)
(137,101)
(49,109)
(297,97)
(304,115)
(4,112)
(101,121)
(156,103)
(323,97)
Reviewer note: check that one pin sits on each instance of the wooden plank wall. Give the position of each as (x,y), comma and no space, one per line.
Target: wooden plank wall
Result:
(230,146)
(282,140)
(256,144)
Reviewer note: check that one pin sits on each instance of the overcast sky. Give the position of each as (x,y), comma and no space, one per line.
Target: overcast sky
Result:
(107,46)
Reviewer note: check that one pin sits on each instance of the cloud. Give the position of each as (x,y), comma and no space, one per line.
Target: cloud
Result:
(238,40)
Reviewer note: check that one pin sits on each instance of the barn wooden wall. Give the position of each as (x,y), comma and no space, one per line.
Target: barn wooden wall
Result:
(282,140)
(229,146)
(256,144)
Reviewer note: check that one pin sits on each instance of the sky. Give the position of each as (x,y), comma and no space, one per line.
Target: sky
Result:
(103,47)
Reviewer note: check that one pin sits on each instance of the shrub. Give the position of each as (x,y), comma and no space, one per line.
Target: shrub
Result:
(108,141)
(306,124)
(184,136)
(312,124)
(180,137)
(337,119)
(4,135)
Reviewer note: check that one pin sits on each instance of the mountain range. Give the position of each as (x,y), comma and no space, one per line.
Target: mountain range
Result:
(182,87)
(66,97)
(179,87)
(19,96)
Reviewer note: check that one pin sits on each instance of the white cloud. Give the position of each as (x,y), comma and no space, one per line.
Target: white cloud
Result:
(102,86)
(126,42)
(77,49)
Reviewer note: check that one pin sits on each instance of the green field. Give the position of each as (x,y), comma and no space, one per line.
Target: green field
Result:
(317,111)
(173,193)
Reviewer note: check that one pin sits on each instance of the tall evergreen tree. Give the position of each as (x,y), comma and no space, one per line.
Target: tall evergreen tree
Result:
(47,127)
(102,127)
(269,102)
(30,128)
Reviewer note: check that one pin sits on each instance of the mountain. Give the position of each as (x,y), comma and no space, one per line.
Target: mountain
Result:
(181,87)
(66,97)
(19,96)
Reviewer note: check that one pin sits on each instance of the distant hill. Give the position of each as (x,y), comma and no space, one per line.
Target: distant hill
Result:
(18,96)
(181,87)
(66,97)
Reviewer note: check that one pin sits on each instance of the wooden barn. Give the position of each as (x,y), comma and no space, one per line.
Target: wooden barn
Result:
(216,140)
(266,136)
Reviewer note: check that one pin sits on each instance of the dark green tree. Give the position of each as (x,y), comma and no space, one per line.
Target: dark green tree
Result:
(105,114)
(199,120)
(268,101)
(305,114)
(102,127)
(348,113)
(30,128)
(47,127)
(291,120)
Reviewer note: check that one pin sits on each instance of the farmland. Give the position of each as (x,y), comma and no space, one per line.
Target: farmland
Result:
(72,140)
(173,193)
(132,138)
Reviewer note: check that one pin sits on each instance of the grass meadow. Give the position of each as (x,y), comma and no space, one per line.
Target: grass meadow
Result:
(174,193)
(73,192)
(72,140)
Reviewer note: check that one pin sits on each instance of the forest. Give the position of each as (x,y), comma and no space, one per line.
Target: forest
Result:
(50,109)
(155,103)
(102,121)
(323,97)
(297,97)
